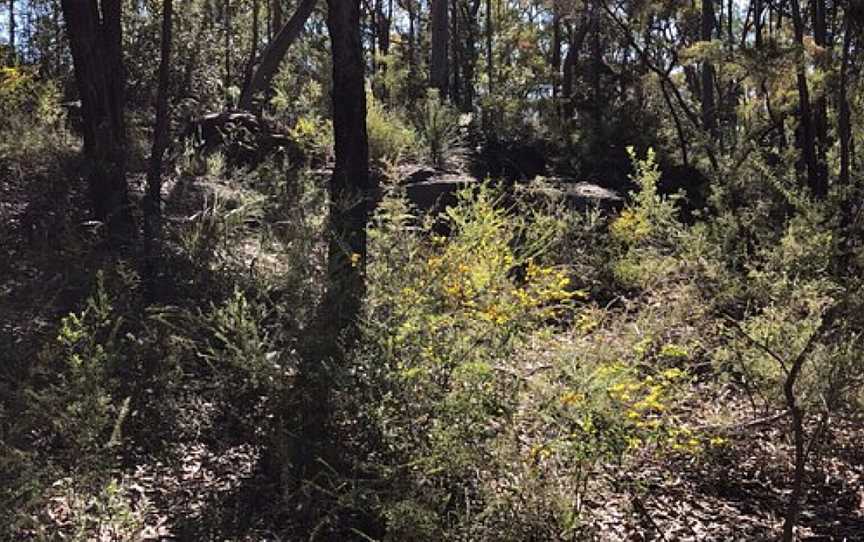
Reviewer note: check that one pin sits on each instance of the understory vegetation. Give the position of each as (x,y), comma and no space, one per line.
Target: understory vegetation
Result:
(676,360)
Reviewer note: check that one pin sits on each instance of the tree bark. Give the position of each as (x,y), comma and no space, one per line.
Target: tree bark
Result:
(490,60)
(13,56)
(844,123)
(439,68)
(596,66)
(253,48)
(95,37)
(350,186)
(226,19)
(277,19)
(275,53)
(709,118)
(806,141)
(153,199)
(577,39)
(757,21)
(555,59)
(820,105)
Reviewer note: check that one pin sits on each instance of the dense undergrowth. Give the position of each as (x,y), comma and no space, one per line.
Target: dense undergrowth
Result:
(510,376)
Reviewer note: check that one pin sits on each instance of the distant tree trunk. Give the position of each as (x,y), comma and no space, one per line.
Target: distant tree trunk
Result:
(439,69)
(13,56)
(253,48)
(350,185)
(709,118)
(806,142)
(412,40)
(844,123)
(277,19)
(275,53)
(383,21)
(596,66)
(757,20)
(820,106)
(490,60)
(226,19)
(555,60)
(469,15)
(456,48)
(95,37)
(577,39)
(153,199)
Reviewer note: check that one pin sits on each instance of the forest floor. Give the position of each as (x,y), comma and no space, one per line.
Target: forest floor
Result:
(204,481)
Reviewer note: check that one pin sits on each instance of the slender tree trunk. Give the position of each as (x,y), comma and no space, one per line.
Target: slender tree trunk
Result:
(412,48)
(275,53)
(277,18)
(806,141)
(596,67)
(757,22)
(490,60)
(709,118)
(351,185)
(844,123)
(153,199)
(457,53)
(226,18)
(95,38)
(820,105)
(383,20)
(439,68)
(13,56)
(555,59)
(253,48)
(577,39)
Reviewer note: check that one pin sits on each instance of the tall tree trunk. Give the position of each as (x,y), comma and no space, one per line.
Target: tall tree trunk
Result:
(383,34)
(490,60)
(806,141)
(351,185)
(457,53)
(596,67)
(709,117)
(13,56)
(153,199)
(226,19)
(820,105)
(253,48)
(577,39)
(412,40)
(439,68)
(277,18)
(275,52)
(469,16)
(757,21)
(555,59)
(844,124)
(95,37)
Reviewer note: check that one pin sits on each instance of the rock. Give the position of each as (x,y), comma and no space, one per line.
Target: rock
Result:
(243,139)
(578,196)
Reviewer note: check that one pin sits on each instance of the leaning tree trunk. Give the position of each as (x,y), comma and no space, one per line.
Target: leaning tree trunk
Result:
(439,69)
(153,200)
(275,52)
(95,38)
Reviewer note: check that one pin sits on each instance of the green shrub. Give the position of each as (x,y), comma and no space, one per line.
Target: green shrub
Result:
(438,126)
(391,138)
